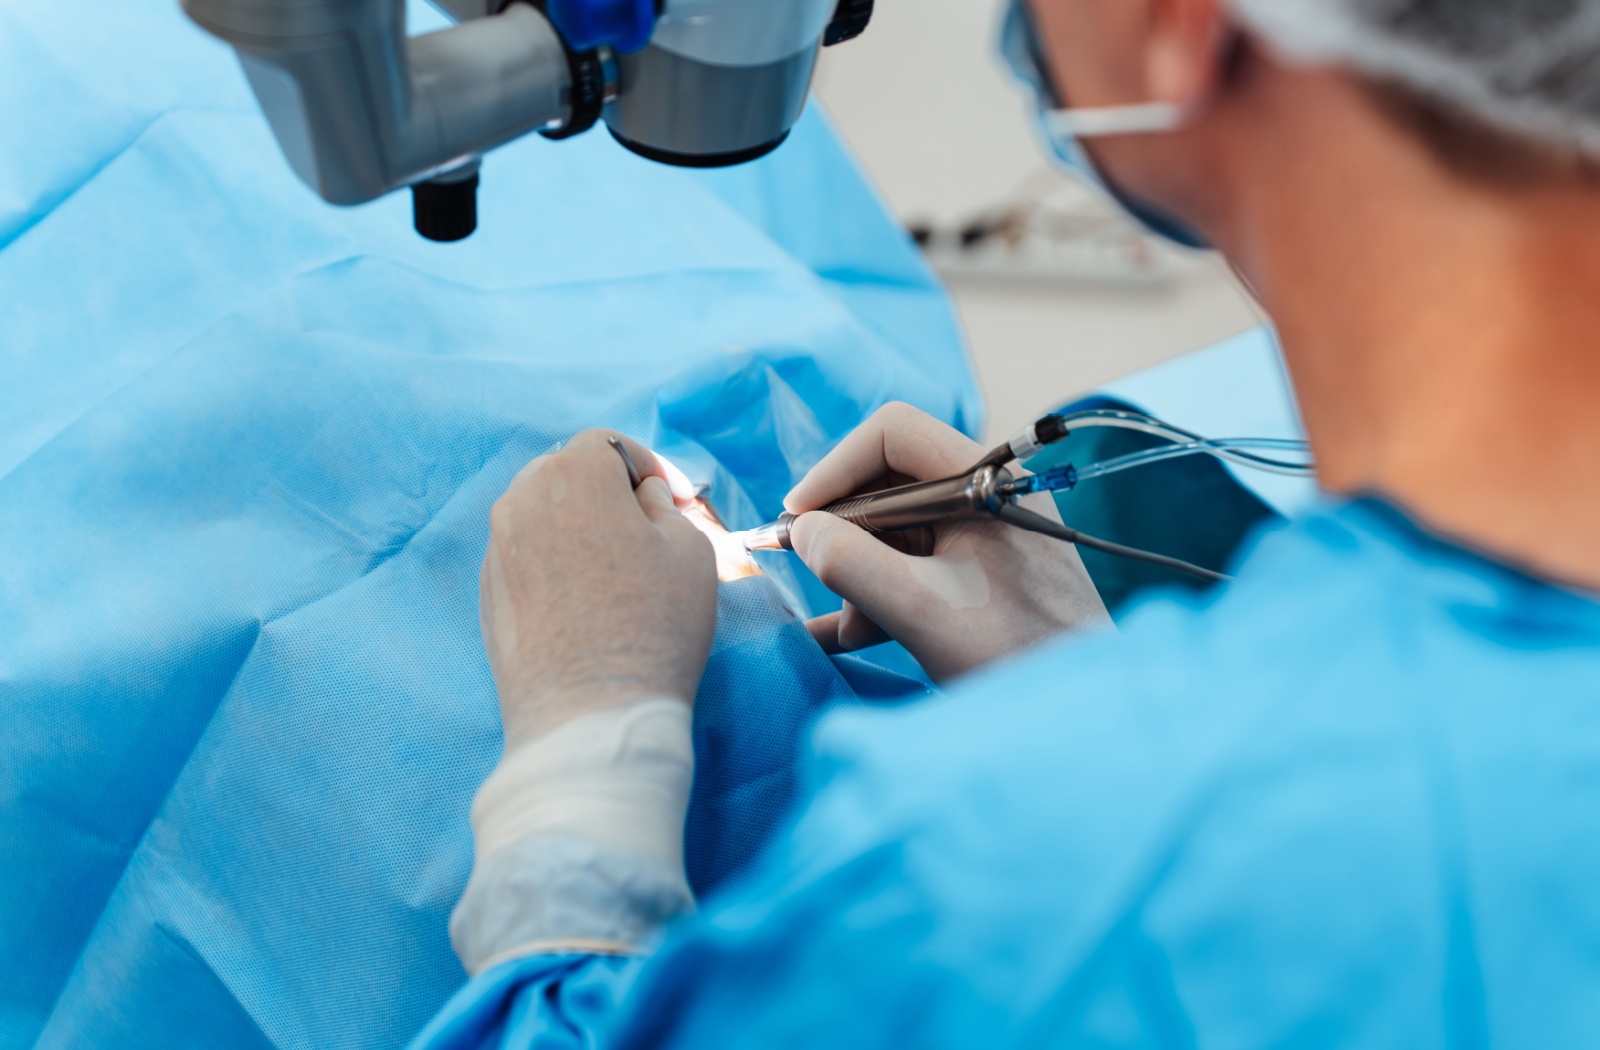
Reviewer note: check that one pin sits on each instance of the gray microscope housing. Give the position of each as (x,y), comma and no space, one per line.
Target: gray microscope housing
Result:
(360,108)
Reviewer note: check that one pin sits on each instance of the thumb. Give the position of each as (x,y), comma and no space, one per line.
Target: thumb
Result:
(662,511)
(655,499)
(853,564)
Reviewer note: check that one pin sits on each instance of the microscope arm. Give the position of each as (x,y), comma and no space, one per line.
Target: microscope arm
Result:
(360,109)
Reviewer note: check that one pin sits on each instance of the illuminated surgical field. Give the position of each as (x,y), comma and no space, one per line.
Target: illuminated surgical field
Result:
(733,561)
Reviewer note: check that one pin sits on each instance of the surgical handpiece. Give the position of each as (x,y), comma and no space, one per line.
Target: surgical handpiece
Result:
(991,491)
(983,492)
(926,503)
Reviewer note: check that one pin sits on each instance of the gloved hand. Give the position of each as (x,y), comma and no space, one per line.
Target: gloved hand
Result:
(592,595)
(956,597)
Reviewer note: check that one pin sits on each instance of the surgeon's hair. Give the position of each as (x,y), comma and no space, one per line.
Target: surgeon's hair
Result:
(1479,150)
(1499,89)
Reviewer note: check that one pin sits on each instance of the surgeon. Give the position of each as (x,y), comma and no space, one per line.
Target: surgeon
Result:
(1350,799)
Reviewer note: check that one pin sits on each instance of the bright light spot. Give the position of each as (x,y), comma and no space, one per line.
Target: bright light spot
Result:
(733,561)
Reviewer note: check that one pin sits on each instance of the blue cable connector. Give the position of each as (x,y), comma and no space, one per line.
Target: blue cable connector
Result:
(1057,479)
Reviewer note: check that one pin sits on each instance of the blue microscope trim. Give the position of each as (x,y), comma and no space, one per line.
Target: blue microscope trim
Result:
(625,25)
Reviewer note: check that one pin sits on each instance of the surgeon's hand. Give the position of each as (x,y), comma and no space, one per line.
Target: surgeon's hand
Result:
(592,595)
(978,591)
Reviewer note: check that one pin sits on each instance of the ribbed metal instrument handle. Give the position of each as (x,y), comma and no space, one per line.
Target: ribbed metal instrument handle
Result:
(916,506)
(924,503)
(857,511)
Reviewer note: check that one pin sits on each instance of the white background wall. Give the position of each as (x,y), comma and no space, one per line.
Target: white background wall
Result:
(926,103)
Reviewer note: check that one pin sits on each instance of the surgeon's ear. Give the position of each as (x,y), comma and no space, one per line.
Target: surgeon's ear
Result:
(1186,51)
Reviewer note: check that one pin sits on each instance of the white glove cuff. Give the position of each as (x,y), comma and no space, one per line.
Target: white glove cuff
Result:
(579,838)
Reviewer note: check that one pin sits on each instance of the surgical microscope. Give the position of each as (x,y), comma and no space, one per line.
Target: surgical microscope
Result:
(361,109)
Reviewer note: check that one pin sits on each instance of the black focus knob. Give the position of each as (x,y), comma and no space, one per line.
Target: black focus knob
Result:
(850,20)
(446,209)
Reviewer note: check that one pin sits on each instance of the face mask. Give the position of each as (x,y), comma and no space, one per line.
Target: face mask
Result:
(1064,129)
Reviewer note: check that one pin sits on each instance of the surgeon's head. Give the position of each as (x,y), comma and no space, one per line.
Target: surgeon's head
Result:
(1247,101)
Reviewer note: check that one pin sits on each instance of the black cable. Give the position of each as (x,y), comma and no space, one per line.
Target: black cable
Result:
(997,457)
(1048,430)
(1027,520)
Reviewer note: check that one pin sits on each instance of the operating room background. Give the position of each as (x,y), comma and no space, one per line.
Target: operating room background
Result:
(929,108)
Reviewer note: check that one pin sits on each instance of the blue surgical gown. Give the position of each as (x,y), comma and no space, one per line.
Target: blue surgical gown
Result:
(1349,801)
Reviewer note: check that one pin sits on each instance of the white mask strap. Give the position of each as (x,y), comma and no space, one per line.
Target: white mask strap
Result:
(1101,121)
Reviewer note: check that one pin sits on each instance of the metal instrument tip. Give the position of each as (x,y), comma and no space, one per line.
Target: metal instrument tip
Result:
(627,461)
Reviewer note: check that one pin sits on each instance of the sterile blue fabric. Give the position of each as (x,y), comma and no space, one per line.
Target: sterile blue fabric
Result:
(1346,802)
(248,445)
